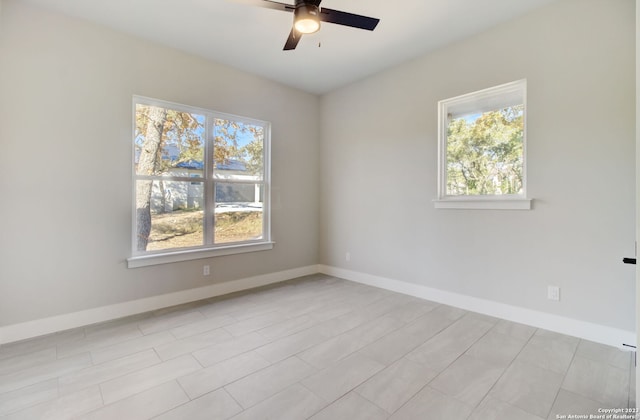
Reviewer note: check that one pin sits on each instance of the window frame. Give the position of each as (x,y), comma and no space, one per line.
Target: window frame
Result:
(480,202)
(209,181)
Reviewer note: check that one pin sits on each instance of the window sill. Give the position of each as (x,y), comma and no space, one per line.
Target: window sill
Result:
(483,204)
(195,254)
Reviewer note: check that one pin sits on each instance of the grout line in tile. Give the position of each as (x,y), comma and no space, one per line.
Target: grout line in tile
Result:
(564,377)
(504,372)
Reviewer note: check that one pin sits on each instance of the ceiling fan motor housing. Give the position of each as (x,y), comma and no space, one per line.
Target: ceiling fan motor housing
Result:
(307,15)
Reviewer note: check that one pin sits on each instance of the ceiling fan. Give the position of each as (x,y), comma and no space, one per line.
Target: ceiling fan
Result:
(307,15)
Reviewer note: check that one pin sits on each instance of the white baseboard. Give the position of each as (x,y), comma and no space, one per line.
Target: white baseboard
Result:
(586,330)
(63,322)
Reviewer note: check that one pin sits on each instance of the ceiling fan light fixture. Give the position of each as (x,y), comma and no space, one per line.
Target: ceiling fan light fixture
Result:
(306,19)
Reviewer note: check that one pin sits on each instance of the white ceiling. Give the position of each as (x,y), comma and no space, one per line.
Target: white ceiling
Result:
(251,38)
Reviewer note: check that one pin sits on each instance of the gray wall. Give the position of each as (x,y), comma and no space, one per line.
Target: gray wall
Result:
(578,58)
(66,88)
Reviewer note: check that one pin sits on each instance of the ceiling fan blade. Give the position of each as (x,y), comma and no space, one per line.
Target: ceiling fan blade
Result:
(348,19)
(292,41)
(268,4)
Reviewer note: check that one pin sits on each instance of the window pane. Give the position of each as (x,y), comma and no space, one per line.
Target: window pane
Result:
(169,214)
(239,151)
(239,212)
(169,142)
(485,153)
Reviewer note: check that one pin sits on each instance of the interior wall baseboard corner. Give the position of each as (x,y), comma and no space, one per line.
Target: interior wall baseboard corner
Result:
(586,330)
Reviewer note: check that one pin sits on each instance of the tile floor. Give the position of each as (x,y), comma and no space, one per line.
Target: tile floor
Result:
(315,348)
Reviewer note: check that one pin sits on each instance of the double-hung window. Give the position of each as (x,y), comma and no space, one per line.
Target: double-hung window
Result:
(201,183)
(482,139)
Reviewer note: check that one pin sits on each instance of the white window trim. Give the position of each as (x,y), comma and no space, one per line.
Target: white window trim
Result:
(479,202)
(196,254)
(143,259)
(484,203)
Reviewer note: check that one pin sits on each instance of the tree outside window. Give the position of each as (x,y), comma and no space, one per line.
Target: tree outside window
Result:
(482,148)
(485,153)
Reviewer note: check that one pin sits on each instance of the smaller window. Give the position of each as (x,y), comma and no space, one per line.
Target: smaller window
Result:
(482,149)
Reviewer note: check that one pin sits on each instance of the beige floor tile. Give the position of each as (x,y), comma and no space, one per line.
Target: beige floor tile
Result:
(351,407)
(337,348)
(397,344)
(23,361)
(103,338)
(258,311)
(129,347)
(445,347)
(604,354)
(287,327)
(412,310)
(32,345)
(330,311)
(331,351)
(569,403)
(492,409)
(497,348)
(392,387)
(528,387)
(216,405)
(230,348)
(261,385)
(375,329)
(213,377)
(335,381)
(293,403)
(192,343)
(598,381)
(256,323)
(202,326)
(430,404)
(169,321)
(392,347)
(43,372)
(63,408)
(94,375)
(293,344)
(550,351)
(144,405)
(132,383)
(468,379)
(433,322)
(223,305)
(28,396)
(306,306)
(515,330)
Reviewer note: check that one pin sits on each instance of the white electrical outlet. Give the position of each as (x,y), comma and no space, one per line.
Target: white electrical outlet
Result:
(347,256)
(206,270)
(553,293)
